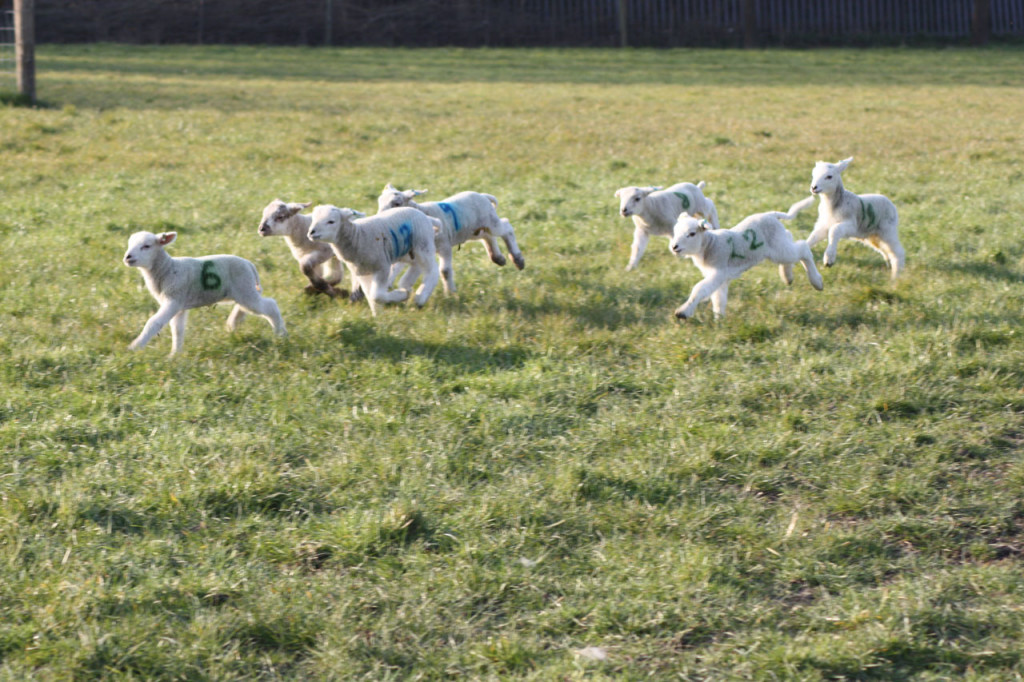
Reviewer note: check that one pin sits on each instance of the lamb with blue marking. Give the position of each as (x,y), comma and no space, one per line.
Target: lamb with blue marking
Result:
(655,210)
(724,255)
(180,284)
(464,216)
(868,218)
(374,248)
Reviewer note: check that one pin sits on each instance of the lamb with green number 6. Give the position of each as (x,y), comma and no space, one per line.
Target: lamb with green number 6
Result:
(180,284)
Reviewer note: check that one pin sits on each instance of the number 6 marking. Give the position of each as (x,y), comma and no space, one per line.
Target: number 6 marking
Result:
(209,278)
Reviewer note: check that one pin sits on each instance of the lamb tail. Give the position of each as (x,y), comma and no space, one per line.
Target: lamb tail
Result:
(795,208)
(256,275)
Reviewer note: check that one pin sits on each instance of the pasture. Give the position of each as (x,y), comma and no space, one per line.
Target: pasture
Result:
(544,476)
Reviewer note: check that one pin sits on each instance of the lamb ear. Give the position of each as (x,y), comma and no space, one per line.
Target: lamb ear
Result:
(417,192)
(652,188)
(618,192)
(295,208)
(704,225)
(843,164)
(165,238)
(389,186)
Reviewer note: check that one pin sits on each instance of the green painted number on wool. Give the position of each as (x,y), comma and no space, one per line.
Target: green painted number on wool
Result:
(728,238)
(683,198)
(751,237)
(209,277)
(867,213)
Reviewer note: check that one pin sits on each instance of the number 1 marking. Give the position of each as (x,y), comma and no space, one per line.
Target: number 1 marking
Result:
(728,238)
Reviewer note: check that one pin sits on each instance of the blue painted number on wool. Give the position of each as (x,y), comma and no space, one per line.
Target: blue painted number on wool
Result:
(450,210)
(402,240)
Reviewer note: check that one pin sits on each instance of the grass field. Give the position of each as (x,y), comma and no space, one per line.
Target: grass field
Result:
(544,476)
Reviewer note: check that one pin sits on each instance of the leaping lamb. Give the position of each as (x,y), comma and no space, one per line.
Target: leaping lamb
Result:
(655,210)
(869,218)
(180,284)
(316,259)
(372,246)
(724,255)
(464,216)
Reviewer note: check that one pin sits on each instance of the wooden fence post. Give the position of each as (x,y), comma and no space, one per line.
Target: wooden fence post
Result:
(749,19)
(623,24)
(200,22)
(981,21)
(329,23)
(25,47)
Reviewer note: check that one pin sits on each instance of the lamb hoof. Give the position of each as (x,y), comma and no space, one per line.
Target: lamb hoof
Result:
(356,296)
(519,261)
(681,315)
(498,259)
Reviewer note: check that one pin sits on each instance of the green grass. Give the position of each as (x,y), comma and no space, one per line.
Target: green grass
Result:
(821,486)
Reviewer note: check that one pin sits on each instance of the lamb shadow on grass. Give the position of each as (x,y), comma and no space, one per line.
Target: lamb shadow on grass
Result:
(603,306)
(364,338)
(983,270)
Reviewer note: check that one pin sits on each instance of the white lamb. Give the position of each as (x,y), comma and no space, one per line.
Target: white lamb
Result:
(723,255)
(180,284)
(371,246)
(464,216)
(655,210)
(868,218)
(318,263)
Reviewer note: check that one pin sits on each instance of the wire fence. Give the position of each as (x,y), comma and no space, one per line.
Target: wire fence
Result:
(8,63)
(667,23)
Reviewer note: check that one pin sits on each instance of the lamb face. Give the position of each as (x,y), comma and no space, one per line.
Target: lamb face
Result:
(631,199)
(687,236)
(276,215)
(826,177)
(143,247)
(327,222)
(392,197)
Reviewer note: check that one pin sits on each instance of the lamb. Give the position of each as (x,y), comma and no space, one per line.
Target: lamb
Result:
(464,216)
(868,218)
(723,255)
(371,246)
(180,284)
(316,259)
(655,211)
